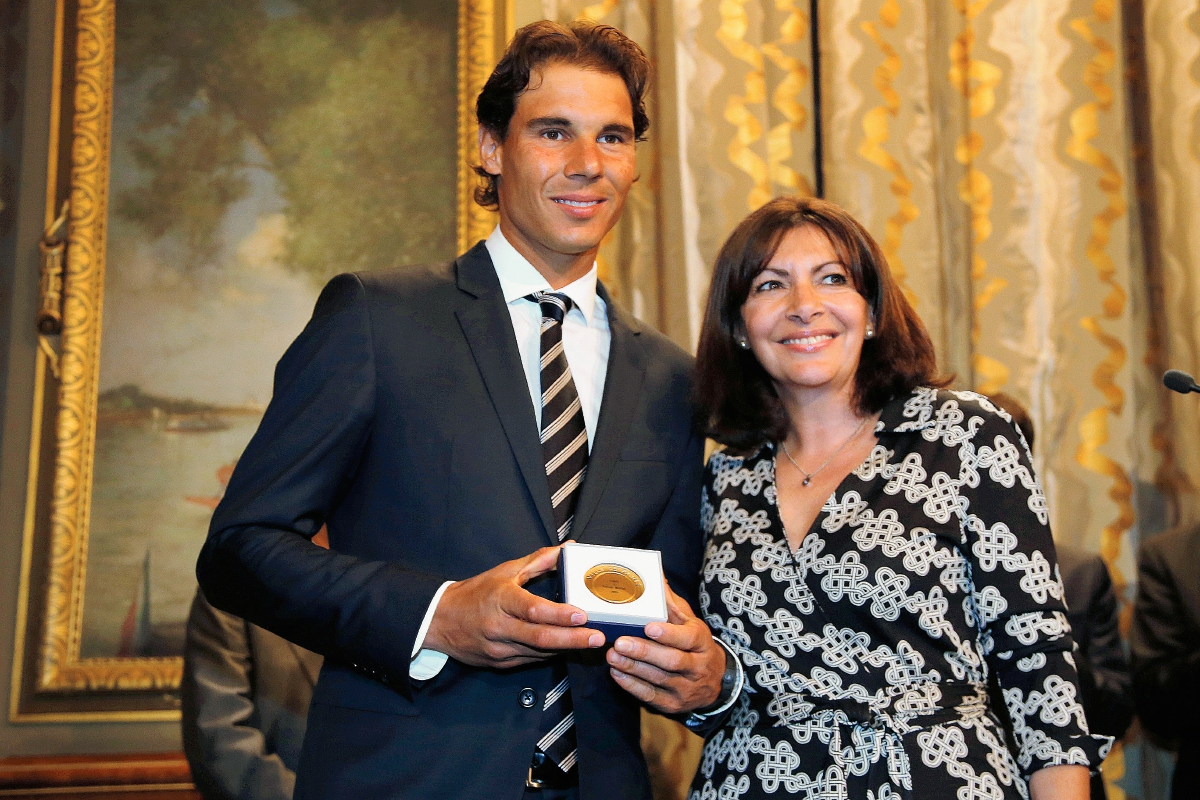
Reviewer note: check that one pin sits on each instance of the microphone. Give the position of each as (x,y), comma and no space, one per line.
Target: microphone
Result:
(1179,381)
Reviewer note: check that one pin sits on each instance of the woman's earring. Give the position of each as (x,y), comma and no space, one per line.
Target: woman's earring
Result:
(742,343)
(870,332)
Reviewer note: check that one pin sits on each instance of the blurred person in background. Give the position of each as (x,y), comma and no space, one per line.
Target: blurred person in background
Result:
(1165,647)
(245,701)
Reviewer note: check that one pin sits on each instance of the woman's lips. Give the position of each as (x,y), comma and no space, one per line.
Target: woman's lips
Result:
(808,343)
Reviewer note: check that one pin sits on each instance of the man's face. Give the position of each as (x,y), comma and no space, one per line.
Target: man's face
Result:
(566,165)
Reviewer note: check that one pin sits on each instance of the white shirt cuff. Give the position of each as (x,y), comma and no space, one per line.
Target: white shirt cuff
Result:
(424,663)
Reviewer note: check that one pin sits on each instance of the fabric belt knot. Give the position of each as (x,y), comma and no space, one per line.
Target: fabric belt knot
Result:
(565,450)
(880,723)
(915,707)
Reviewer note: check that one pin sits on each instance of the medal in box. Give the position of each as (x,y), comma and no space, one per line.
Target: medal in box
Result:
(621,589)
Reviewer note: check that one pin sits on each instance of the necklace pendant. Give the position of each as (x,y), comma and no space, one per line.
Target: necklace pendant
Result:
(807,481)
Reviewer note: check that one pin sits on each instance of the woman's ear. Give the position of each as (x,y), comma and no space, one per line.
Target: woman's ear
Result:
(739,335)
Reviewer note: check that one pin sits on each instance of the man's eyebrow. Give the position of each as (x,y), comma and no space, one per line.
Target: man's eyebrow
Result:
(563,122)
(550,122)
(617,127)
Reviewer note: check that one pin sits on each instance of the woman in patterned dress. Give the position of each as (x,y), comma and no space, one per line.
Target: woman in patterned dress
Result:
(876,544)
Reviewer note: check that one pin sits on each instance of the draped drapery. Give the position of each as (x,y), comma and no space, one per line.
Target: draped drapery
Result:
(1031,169)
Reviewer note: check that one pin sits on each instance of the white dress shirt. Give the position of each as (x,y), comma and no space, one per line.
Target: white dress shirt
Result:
(586,342)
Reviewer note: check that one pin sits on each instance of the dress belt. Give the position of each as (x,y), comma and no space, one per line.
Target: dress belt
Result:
(889,721)
(912,709)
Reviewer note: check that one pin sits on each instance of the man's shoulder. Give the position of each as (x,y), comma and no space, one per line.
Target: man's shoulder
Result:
(664,350)
(411,281)
(1181,540)
(1073,559)
(1084,573)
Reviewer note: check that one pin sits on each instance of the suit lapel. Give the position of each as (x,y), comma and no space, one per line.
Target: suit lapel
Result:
(622,386)
(486,323)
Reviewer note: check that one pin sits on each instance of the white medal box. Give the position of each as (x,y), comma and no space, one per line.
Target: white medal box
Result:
(621,589)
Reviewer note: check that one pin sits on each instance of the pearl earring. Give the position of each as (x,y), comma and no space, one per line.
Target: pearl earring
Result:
(742,343)
(870,332)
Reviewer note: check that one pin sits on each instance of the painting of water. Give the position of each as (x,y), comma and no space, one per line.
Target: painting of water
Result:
(259,147)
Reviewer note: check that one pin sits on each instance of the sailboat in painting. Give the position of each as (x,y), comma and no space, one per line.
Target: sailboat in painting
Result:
(136,633)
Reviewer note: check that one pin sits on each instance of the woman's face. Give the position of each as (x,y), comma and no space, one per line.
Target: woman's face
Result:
(804,319)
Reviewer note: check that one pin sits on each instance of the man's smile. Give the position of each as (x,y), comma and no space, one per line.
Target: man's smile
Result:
(577,203)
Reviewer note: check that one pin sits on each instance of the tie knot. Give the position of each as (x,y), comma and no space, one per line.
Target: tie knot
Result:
(554,306)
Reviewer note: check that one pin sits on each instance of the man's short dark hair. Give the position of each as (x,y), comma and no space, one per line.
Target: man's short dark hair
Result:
(581,44)
(736,397)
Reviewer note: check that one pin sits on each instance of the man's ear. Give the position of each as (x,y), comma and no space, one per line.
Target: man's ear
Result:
(490,151)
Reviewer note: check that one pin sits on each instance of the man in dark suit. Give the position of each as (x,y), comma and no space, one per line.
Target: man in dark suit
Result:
(1165,645)
(245,699)
(452,424)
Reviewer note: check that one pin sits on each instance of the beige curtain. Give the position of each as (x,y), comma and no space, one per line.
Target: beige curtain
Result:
(1172,137)
(1031,168)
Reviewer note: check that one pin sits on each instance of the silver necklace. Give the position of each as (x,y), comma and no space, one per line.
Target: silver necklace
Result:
(808,476)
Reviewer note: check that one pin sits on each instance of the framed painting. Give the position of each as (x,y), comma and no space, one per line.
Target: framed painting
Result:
(212,164)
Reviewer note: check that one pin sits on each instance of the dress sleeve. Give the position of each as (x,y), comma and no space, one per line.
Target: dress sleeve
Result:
(1017,597)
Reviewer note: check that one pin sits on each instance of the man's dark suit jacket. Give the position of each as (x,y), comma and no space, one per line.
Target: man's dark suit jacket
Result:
(245,698)
(402,417)
(1165,645)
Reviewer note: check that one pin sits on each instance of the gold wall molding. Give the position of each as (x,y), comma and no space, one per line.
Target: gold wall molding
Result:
(482,35)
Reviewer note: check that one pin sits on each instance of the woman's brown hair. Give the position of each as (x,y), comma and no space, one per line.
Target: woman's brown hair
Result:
(736,398)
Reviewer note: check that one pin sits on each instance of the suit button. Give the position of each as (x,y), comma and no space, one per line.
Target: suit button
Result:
(528,697)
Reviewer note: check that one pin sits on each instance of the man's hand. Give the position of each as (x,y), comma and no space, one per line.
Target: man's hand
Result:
(678,670)
(491,621)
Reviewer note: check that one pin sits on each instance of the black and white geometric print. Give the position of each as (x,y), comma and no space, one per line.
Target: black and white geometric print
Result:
(867,650)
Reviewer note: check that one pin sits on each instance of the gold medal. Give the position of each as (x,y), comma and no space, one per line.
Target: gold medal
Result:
(614,583)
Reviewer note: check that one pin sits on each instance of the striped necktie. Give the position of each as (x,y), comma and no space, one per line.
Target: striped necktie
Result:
(565,449)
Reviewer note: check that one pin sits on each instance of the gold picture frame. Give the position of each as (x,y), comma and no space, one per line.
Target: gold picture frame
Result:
(51,682)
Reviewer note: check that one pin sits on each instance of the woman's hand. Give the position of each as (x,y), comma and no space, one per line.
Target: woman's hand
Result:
(1064,782)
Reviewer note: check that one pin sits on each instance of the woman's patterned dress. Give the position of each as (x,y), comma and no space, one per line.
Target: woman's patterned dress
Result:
(867,650)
